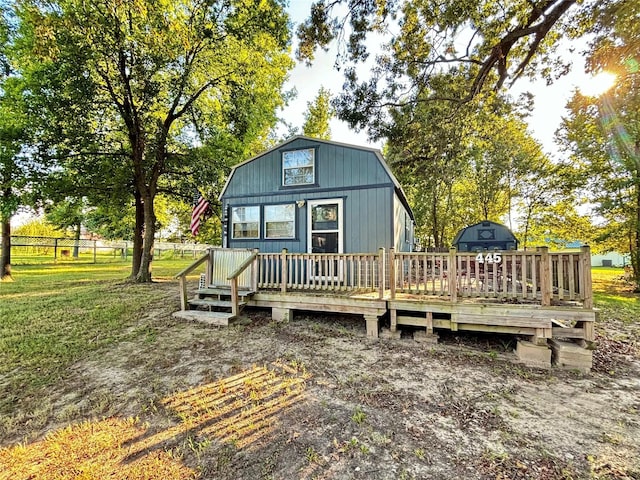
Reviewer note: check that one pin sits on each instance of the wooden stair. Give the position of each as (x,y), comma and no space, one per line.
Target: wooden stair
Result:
(219,319)
(212,305)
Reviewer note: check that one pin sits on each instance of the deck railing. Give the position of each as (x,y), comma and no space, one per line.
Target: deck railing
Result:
(342,272)
(536,276)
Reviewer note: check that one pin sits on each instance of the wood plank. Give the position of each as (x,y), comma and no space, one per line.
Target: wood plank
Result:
(532,311)
(219,319)
(209,302)
(563,332)
(473,327)
(587,287)
(223,291)
(510,321)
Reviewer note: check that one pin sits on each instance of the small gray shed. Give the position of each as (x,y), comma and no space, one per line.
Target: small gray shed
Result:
(485,235)
(316,196)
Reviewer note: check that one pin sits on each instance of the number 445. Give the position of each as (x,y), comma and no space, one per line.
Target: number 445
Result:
(489,258)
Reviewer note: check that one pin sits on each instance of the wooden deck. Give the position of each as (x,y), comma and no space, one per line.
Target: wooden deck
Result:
(539,294)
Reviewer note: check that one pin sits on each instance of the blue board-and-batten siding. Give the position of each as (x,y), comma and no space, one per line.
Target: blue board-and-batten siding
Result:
(354,175)
(337,167)
(364,211)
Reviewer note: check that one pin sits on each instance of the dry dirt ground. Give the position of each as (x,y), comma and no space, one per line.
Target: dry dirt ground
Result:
(314,399)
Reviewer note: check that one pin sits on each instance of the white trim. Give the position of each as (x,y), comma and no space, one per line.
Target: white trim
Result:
(292,221)
(339,273)
(232,223)
(340,229)
(312,165)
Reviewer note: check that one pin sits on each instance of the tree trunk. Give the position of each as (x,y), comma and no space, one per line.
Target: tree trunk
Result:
(635,252)
(144,273)
(5,251)
(76,244)
(137,237)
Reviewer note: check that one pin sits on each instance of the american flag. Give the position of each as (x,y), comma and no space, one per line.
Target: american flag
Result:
(200,209)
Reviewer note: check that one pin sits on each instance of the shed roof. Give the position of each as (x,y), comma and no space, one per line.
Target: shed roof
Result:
(375,151)
(467,234)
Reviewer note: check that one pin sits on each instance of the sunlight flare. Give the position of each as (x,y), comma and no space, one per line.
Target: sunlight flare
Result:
(598,84)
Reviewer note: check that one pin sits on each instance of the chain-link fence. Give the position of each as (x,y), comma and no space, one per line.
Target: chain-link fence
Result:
(27,250)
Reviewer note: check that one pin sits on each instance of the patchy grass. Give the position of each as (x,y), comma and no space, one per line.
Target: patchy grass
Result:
(94,450)
(613,297)
(97,381)
(51,316)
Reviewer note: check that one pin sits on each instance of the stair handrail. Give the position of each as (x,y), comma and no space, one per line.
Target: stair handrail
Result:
(233,277)
(182,275)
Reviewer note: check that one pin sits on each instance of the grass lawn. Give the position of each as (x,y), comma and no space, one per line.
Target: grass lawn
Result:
(53,315)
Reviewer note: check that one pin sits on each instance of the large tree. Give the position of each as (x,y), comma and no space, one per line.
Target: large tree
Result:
(603,133)
(14,174)
(153,80)
(489,44)
(462,165)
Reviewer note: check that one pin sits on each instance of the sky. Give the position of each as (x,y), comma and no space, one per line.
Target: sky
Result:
(549,106)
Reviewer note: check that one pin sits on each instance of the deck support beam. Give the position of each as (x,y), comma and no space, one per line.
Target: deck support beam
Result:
(372,326)
(532,355)
(281,314)
(393,315)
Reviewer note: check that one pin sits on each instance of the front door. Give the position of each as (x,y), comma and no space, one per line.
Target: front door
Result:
(325,235)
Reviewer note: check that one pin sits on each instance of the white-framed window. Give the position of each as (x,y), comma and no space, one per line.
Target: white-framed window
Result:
(298,167)
(280,221)
(245,222)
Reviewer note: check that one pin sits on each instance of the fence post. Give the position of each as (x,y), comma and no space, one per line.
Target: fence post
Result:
(545,276)
(55,249)
(381,278)
(126,250)
(453,274)
(284,271)
(95,251)
(585,281)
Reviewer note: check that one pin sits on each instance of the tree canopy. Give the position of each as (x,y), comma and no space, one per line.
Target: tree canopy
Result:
(488,44)
(603,133)
(318,115)
(137,87)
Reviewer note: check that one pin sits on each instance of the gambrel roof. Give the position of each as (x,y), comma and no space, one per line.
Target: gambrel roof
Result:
(377,153)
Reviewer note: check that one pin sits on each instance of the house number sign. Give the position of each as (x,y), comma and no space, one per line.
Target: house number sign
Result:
(489,258)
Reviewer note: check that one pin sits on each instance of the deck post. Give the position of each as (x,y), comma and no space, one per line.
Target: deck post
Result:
(585,277)
(545,276)
(209,270)
(453,274)
(235,307)
(429,323)
(284,271)
(184,304)
(254,271)
(381,279)
(392,274)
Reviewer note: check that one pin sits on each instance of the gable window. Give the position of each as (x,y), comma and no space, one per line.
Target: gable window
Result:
(280,221)
(298,167)
(245,222)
